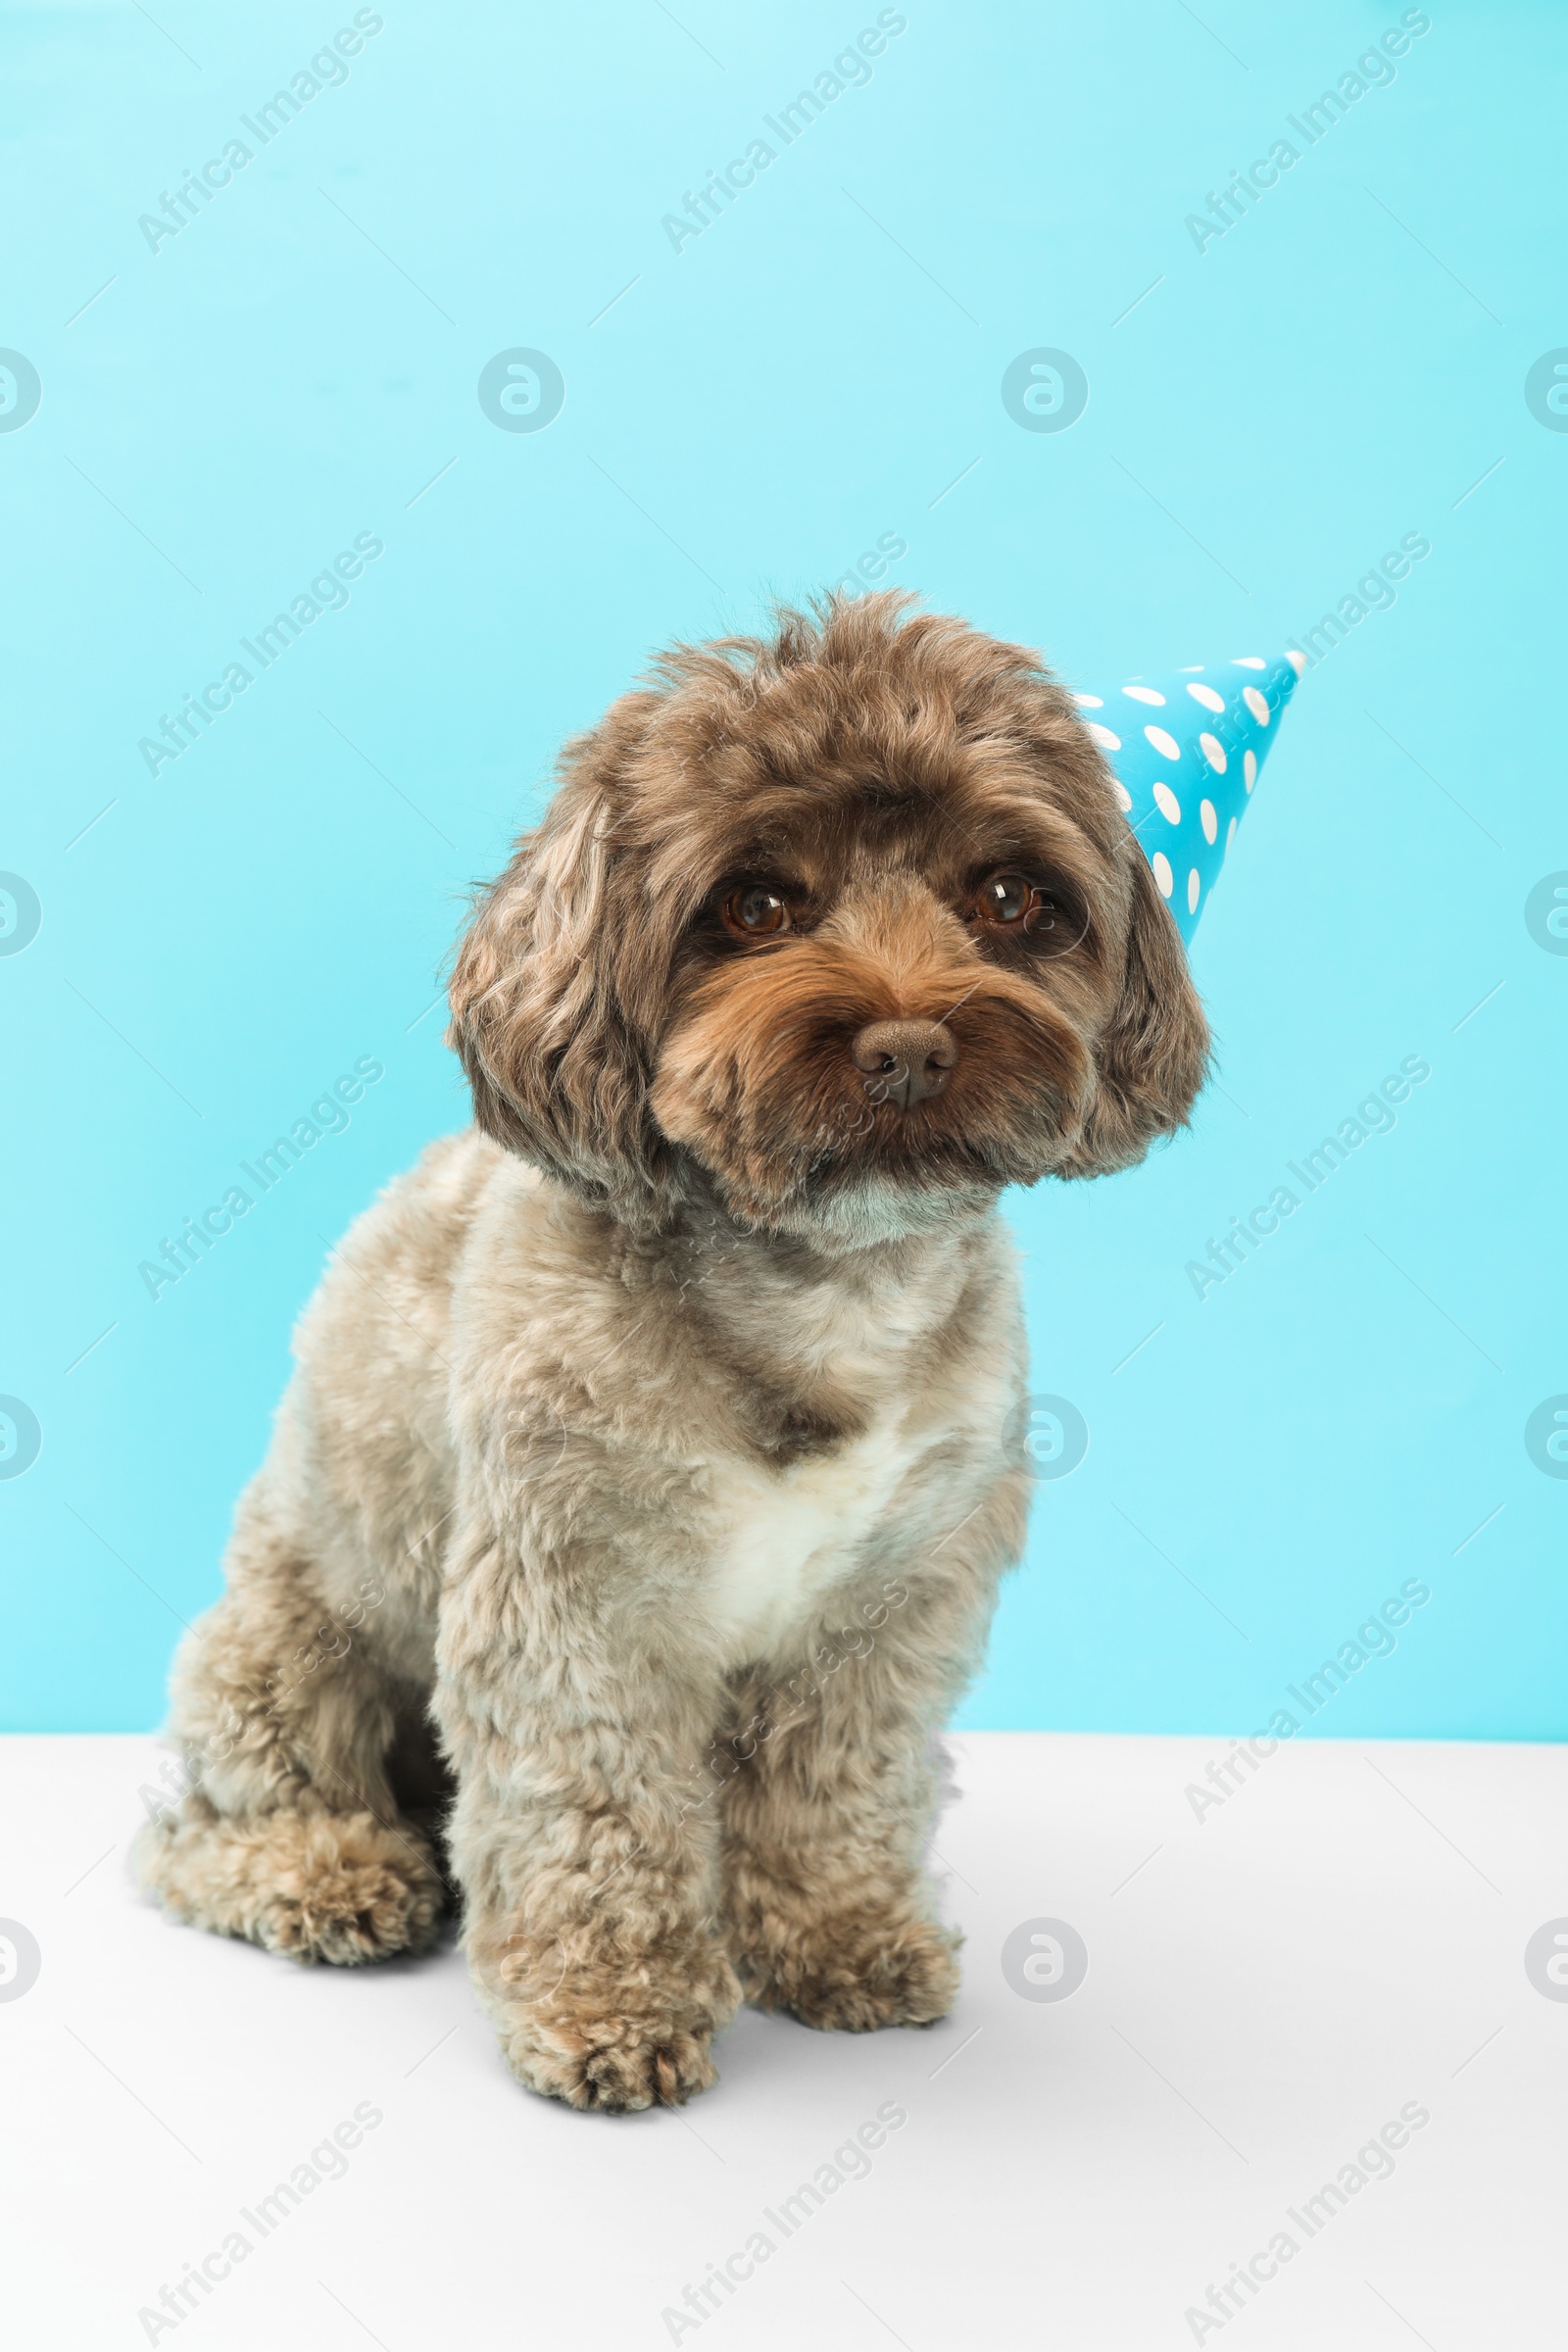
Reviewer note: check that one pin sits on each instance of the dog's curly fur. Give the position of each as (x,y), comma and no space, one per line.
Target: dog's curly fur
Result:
(672,1414)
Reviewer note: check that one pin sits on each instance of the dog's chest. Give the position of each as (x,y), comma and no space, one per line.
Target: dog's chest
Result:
(782,1540)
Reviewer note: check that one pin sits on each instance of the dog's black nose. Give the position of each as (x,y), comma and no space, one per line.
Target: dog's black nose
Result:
(905,1061)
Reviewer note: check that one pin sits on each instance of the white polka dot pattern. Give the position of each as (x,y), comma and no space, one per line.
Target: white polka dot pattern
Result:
(1183,783)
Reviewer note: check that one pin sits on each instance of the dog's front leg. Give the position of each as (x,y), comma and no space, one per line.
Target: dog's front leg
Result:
(577,1720)
(836,1780)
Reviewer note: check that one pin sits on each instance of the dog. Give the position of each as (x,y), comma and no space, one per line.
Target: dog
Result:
(636,1510)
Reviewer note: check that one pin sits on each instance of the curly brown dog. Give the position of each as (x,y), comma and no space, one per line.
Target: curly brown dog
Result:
(658,1441)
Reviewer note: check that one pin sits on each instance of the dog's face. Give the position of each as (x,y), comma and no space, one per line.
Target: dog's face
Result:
(845,928)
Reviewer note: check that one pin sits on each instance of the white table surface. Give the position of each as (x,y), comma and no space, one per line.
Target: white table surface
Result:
(1343,1939)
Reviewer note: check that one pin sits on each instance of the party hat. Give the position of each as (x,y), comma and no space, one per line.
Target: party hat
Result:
(1187,751)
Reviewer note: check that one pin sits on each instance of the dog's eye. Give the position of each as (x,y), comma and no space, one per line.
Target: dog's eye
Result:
(1008,898)
(755,910)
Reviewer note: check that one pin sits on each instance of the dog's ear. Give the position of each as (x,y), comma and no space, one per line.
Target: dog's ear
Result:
(554,993)
(1153,1056)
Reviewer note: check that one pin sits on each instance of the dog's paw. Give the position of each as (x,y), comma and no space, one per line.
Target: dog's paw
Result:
(614,2050)
(852,1976)
(338,1887)
(613,2065)
(350,1897)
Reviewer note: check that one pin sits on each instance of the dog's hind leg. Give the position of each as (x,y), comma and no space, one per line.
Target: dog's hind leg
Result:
(289,1831)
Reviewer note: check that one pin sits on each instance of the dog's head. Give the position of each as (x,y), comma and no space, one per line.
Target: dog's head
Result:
(843,928)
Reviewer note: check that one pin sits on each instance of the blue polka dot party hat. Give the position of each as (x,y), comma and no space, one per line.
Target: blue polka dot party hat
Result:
(1187,751)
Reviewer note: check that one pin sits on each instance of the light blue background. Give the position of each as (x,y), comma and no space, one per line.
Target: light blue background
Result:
(812,372)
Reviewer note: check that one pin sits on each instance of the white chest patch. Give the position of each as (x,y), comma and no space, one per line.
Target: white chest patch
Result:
(784,1539)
